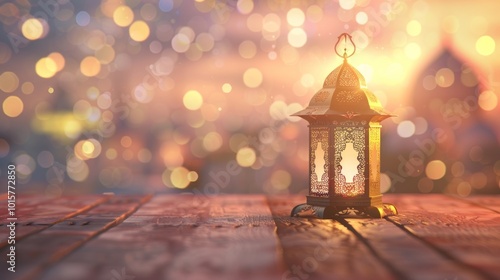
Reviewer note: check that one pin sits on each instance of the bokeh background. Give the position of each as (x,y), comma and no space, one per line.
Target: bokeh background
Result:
(132,96)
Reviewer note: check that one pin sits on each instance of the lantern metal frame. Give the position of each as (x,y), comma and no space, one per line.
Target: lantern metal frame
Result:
(344,112)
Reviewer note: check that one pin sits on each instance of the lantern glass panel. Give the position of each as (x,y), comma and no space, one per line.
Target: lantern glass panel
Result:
(349,160)
(319,161)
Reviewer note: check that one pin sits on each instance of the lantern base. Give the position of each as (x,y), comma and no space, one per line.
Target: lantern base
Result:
(330,212)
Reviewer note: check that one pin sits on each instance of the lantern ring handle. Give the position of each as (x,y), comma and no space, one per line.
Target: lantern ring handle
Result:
(345,36)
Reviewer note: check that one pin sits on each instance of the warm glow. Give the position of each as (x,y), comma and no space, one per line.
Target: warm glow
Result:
(212,141)
(488,100)
(106,54)
(139,31)
(435,170)
(485,45)
(349,162)
(413,28)
(245,6)
(226,88)
(33,29)
(252,77)
(295,17)
(361,18)
(12,106)
(58,59)
(406,129)
(413,51)
(123,16)
(46,67)
(180,177)
(280,180)
(247,49)
(445,77)
(90,66)
(192,100)
(87,149)
(319,161)
(246,156)
(297,37)
(9,82)
(347,4)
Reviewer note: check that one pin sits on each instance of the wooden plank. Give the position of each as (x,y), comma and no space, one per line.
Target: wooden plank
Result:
(36,213)
(36,252)
(408,255)
(183,237)
(322,249)
(491,202)
(458,230)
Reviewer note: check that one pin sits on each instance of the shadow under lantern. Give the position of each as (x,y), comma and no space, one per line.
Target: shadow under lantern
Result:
(344,147)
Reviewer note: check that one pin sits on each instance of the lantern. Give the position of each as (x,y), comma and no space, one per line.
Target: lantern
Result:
(344,146)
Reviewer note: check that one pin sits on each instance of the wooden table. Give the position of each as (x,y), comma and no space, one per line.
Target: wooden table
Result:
(248,237)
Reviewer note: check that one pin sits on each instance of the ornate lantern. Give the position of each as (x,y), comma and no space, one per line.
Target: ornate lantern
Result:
(344,147)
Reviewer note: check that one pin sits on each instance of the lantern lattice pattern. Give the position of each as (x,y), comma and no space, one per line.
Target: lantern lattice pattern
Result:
(344,154)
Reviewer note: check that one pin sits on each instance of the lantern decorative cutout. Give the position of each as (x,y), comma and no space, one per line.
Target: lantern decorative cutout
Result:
(344,147)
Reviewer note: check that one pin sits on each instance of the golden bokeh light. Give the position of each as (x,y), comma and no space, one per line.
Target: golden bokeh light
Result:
(254,22)
(413,51)
(245,6)
(385,183)
(90,66)
(295,17)
(297,37)
(77,169)
(464,189)
(247,49)
(413,28)
(192,176)
(314,13)
(27,88)
(87,149)
(281,180)
(488,100)
(445,77)
(46,67)
(126,141)
(212,141)
(123,16)
(9,82)
(106,54)
(227,88)
(485,45)
(347,4)
(435,170)
(246,157)
(58,59)
(12,106)
(192,100)
(252,77)
(139,31)
(180,177)
(33,28)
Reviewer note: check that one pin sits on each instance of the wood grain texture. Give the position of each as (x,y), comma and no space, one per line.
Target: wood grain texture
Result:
(491,202)
(253,237)
(463,232)
(36,213)
(322,249)
(183,237)
(36,252)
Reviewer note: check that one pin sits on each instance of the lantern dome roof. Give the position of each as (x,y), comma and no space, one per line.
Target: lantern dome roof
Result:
(344,94)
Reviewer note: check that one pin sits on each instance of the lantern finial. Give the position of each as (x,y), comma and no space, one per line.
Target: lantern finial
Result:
(345,36)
